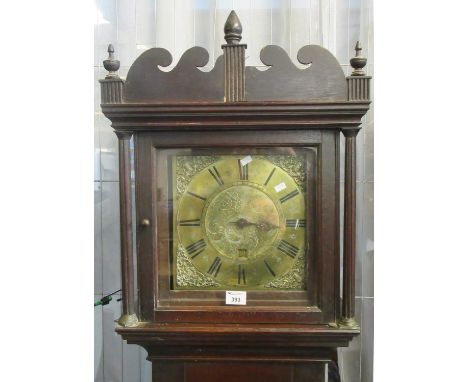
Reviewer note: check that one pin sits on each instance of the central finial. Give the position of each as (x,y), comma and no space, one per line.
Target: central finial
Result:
(233,29)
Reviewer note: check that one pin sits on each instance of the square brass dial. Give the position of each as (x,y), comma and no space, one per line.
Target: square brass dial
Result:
(239,222)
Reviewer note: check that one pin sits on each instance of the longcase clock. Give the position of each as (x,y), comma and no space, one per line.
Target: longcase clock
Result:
(237,210)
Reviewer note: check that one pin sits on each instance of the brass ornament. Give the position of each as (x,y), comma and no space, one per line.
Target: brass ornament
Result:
(186,168)
(188,275)
(348,323)
(128,320)
(294,165)
(293,279)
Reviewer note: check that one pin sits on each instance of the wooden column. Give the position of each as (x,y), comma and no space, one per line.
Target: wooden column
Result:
(358,90)
(128,317)
(349,234)
(111,93)
(234,60)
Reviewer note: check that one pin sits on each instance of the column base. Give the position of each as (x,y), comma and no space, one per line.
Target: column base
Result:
(348,323)
(128,320)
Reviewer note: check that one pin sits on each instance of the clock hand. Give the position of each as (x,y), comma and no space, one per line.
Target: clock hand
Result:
(241,223)
(265,226)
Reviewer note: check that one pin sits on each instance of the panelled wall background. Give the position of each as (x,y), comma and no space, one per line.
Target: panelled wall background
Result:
(136,25)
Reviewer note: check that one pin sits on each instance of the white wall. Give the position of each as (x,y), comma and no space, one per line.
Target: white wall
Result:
(136,25)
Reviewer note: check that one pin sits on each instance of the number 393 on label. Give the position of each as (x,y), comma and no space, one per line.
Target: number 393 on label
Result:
(236,298)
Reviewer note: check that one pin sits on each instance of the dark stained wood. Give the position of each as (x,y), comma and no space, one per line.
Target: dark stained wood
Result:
(234,60)
(208,306)
(231,372)
(358,62)
(111,90)
(359,88)
(312,372)
(257,116)
(234,69)
(168,372)
(349,236)
(181,351)
(337,217)
(173,339)
(328,246)
(147,83)
(245,370)
(144,245)
(323,80)
(126,236)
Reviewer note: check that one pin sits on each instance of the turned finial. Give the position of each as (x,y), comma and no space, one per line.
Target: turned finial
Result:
(111,64)
(233,29)
(358,62)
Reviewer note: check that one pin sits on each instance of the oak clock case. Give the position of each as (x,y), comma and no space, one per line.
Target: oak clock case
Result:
(237,188)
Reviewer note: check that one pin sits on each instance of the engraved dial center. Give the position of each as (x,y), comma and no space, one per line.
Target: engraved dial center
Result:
(241,222)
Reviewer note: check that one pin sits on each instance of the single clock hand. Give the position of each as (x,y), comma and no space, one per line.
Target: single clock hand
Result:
(265,226)
(241,223)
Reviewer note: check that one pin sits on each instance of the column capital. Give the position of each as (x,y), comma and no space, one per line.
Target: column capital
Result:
(123,134)
(350,133)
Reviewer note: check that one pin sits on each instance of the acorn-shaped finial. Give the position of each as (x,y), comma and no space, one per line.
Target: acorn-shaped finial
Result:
(233,29)
(358,62)
(111,64)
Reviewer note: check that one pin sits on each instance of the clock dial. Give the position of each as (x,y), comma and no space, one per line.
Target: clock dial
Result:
(241,222)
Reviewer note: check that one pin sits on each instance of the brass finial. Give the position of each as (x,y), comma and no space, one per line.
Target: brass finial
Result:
(233,29)
(111,64)
(358,62)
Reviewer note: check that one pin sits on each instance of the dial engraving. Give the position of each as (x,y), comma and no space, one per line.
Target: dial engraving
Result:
(238,218)
(230,221)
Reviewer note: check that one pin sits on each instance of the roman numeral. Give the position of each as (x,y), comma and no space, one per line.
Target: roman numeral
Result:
(269,268)
(288,249)
(269,176)
(243,170)
(242,252)
(215,266)
(292,194)
(196,248)
(190,223)
(240,274)
(295,223)
(215,174)
(196,196)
